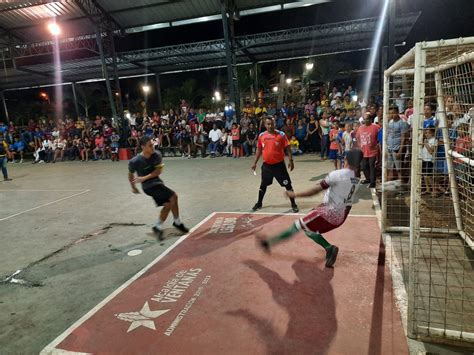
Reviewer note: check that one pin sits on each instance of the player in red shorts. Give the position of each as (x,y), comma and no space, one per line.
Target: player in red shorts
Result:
(341,187)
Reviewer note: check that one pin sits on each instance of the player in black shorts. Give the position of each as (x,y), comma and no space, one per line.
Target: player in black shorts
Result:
(148,166)
(273,146)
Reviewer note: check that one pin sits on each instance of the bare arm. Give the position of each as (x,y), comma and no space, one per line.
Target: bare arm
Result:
(311,192)
(291,165)
(153,174)
(258,153)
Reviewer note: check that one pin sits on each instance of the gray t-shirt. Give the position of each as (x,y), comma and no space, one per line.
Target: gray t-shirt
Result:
(143,166)
(395,131)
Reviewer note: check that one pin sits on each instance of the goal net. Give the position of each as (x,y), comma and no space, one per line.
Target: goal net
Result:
(428,185)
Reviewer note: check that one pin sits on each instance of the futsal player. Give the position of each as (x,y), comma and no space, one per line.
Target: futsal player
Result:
(146,168)
(341,188)
(273,145)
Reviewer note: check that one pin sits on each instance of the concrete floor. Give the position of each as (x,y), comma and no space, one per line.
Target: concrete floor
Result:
(69,227)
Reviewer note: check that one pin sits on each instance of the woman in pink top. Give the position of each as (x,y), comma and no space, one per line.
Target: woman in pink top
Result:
(235,132)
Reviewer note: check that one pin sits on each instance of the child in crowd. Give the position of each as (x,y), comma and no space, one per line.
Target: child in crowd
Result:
(228,148)
(334,146)
(347,140)
(114,146)
(427,157)
(295,146)
(17,148)
(235,132)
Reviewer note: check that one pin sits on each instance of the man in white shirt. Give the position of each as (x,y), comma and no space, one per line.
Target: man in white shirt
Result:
(341,187)
(214,137)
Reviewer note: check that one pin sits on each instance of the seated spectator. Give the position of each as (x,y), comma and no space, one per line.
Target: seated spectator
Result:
(222,142)
(214,138)
(99,144)
(295,146)
(59,144)
(250,140)
(18,147)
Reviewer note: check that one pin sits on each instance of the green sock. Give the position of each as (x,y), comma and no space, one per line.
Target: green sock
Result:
(318,238)
(284,235)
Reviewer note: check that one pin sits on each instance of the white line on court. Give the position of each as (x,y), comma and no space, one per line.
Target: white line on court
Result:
(43,205)
(50,348)
(28,190)
(295,214)
(401,297)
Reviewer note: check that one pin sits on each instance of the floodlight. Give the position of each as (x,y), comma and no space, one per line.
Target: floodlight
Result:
(54,28)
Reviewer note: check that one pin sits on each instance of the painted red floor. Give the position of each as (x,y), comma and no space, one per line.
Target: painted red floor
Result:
(216,293)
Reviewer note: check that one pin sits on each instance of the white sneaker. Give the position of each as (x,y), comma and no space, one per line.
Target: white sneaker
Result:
(41,161)
(21,161)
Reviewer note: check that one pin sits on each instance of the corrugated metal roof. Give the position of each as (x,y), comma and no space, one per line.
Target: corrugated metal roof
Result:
(307,41)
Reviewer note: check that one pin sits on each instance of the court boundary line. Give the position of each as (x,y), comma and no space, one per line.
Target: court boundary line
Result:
(43,205)
(294,214)
(51,347)
(33,190)
(398,286)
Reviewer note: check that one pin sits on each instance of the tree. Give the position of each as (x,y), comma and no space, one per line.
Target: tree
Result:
(89,96)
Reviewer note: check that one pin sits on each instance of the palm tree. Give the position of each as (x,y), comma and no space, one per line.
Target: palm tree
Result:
(88,96)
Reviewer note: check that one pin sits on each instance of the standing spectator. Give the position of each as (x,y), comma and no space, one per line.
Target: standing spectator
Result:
(235,140)
(396,140)
(300,133)
(312,135)
(367,141)
(114,145)
(324,124)
(4,153)
(334,144)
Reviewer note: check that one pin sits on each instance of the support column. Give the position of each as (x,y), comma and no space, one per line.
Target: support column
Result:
(227,10)
(255,78)
(391,33)
(74,96)
(105,73)
(4,106)
(158,92)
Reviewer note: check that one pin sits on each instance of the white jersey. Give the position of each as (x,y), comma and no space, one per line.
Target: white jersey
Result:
(342,188)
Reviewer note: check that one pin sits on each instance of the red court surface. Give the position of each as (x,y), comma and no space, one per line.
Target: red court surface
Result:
(214,292)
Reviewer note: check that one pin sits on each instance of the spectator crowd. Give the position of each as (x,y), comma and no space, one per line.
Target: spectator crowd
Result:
(329,125)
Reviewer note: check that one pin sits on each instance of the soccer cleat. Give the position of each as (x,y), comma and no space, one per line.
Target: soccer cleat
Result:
(257,206)
(331,255)
(295,208)
(159,233)
(181,227)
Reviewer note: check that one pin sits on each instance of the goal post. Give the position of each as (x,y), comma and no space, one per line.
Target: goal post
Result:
(432,210)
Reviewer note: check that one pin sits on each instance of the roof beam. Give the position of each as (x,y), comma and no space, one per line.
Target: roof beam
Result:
(97,15)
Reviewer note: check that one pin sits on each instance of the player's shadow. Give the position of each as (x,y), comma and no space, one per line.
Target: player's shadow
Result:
(309,302)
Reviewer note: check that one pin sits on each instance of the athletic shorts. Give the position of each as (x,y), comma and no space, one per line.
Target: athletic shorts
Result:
(323,218)
(277,171)
(392,161)
(160,193)
(333,154)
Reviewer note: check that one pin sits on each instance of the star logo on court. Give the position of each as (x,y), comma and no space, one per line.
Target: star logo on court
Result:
(142,318)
